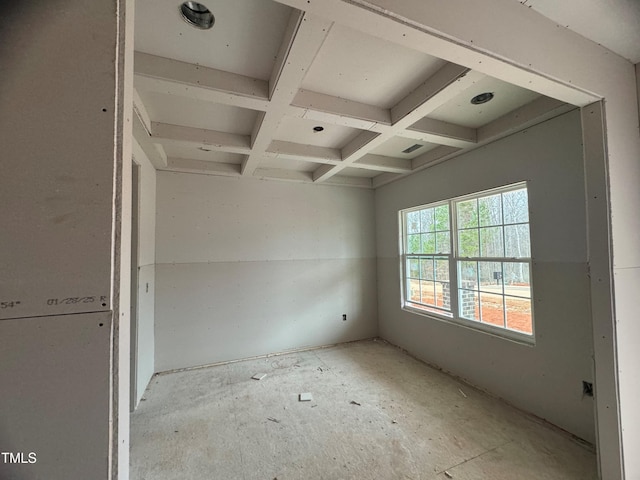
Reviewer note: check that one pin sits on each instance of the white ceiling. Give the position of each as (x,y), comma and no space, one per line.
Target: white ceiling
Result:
(506,98)
(615,24)
(244,97)
(365,69)
(245,38)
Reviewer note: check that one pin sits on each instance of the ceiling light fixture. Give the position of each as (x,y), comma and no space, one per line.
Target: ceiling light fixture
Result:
(197,15)
(482,98)
(318,129)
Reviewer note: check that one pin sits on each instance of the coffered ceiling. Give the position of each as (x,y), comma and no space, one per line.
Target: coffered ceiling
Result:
(275,92)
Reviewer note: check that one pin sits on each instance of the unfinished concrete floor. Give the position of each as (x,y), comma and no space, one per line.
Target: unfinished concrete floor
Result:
(376,413)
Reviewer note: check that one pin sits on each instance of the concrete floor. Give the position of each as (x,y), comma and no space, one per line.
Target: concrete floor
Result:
(412,422)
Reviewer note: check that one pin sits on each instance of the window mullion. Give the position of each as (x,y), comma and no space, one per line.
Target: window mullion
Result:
(453,260)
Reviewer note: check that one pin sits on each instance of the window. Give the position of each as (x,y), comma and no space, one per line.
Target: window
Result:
(468,259)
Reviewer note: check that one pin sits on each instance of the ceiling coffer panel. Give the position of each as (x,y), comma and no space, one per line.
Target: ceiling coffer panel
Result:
(274,92)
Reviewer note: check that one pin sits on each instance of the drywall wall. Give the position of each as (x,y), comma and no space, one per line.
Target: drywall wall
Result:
(146,270)
(249,267)
(55,396)
(545,379)
(57,187)
(62,133)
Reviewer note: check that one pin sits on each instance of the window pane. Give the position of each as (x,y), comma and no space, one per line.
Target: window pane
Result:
(519,314)
(414,290)
(427,292)
(442,269)
(426,220)
(468,275)
(427,269)
(441,215)
(492,309)
(413,243)
(516,206)
(491,275)
(467,213)
(517,241)
(517,280)
(413,267)
(413,222)
(468,243)
(428,242)
(443,242)
(468,304)
(491,242)
(490,210)
(442,295)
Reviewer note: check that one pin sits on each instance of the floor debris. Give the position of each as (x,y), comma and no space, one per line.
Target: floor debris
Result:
(320,368)
(274,420)
(259,376)
(353,402)
(305,397)
(393,421)
(447,474)
(462,393)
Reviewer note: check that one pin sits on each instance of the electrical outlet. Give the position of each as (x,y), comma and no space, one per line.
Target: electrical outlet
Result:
(344,317)
(587,389)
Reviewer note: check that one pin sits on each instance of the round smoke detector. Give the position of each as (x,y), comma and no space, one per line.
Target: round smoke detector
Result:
(197,15)
(482,98)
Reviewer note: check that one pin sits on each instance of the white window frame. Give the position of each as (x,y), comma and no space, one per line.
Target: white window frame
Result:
(454,259)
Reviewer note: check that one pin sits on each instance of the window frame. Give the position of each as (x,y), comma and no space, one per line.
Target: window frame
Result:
(454,259)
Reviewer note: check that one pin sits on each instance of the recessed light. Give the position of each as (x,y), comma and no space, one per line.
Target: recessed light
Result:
(318,129)
(197,15)
(482,98)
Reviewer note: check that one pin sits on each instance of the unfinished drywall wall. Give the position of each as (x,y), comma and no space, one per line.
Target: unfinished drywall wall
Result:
(545,379)
(146,270)
(55,396)
(57,188)
(249,267)
(62,133)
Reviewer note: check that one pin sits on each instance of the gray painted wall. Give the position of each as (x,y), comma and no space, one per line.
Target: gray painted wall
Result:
(249,267)
(545,379)
(146,271)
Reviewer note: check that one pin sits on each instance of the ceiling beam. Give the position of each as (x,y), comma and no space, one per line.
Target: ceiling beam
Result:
(445,84)
(166,134)
(307,177)
(298,151)
(433,156)
(306,35)
(153,152)
(190,165)
(384,178)
(443,133)
(537,111)
(163,75)
(338,111)
(383,163)
(141,111)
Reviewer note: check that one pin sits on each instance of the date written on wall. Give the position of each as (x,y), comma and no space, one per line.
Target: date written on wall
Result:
(75,300)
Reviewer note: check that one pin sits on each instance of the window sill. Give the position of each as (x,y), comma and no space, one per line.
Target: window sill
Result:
(488,329)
